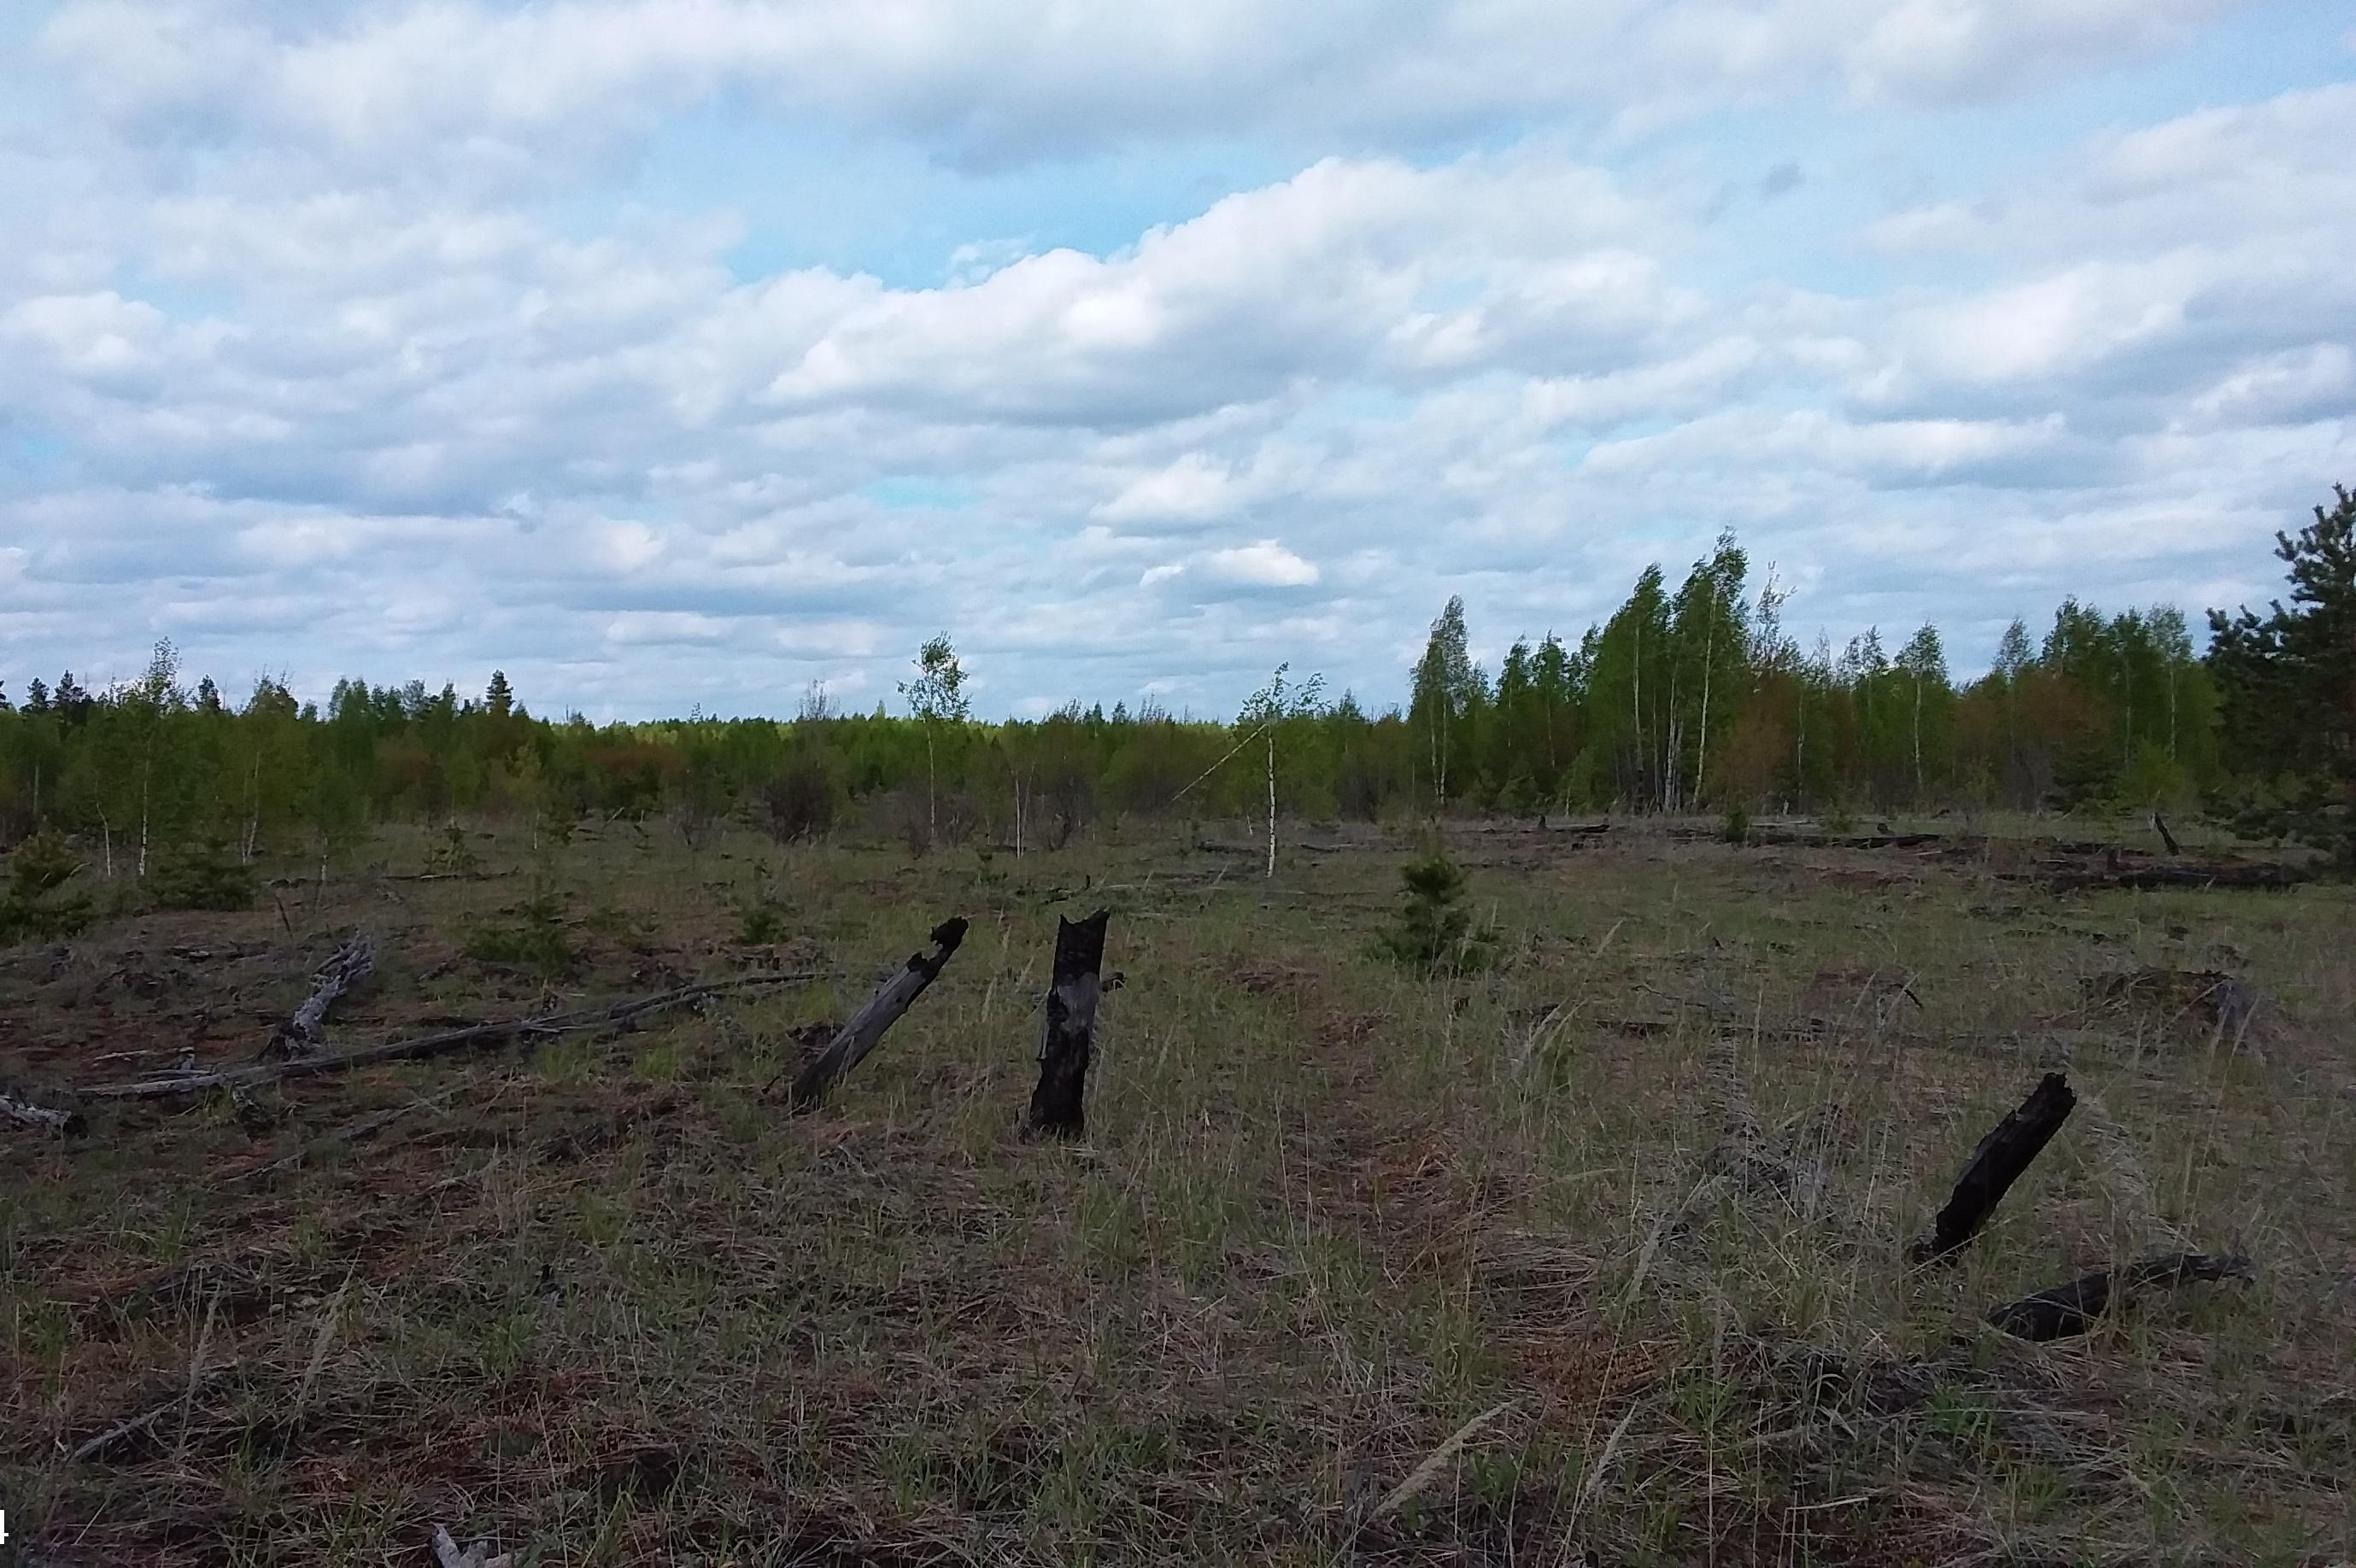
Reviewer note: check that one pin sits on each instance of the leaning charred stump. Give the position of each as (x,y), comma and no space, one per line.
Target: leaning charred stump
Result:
(1067,1038)
(865,1029)
(1995,1165)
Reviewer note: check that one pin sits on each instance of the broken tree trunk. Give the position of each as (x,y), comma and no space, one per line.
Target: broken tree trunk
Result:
(16,1108)
(467,1037)
(300,1034)
(2166,837)
(865,1029)
(1067,1038)
(1995,1165)
(2075,1307)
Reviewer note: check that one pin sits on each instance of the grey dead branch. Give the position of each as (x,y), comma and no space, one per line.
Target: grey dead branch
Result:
(471,1037)
(865,1030)
(19,1107)
(303,1032)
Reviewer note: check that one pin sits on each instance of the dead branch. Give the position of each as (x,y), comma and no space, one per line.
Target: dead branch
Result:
(1995,1165)
(470,1037)
(300,1034)
(865,1029)
(97,1446)
(70,1124)
(2159,824)
(2075,1307)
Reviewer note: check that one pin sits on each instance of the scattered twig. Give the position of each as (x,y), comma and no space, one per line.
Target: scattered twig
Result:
(97,1447)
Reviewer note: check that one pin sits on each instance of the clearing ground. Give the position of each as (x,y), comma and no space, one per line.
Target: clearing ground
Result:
(1598,1256)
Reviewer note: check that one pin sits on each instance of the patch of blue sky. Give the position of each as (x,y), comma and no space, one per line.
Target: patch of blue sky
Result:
(1860,163)
(818,194)
(910,492)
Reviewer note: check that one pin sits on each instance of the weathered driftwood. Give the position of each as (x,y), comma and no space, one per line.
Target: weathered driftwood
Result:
(467,1037)
(302,1033)
(865,1030)
(1995,1165)
(16,1108)
(2075,1307)
(1067,1035)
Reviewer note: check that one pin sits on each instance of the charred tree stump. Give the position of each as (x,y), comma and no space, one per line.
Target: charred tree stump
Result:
(302,1033)
(1067,1038)
(865,1029)
(2074,1308)
(1995,1165)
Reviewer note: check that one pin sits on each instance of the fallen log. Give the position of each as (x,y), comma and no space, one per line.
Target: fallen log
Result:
(300,1034)
(1066,1038)
(2250,875)
(467,1037)
(67,1123)
(1994,1167)
(865,1029)
(2074,1308)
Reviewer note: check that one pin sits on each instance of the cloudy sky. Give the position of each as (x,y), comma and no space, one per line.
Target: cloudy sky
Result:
(679,351)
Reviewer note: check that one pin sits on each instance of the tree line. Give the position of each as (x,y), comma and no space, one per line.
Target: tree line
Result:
(1689,697)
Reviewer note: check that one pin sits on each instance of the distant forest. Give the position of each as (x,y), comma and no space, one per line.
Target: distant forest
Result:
(1691,697)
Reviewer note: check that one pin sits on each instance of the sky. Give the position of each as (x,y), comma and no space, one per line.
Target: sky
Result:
(680,353)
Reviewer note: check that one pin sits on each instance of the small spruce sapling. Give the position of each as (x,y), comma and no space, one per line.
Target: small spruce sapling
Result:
(1435,933)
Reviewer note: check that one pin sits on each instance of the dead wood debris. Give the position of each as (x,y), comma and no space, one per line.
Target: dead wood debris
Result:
(300,1034)
(2074,1308)
(470,1037)
(17,1107)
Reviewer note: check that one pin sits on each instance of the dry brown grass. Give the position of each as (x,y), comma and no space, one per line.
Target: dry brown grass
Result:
(1601,1250)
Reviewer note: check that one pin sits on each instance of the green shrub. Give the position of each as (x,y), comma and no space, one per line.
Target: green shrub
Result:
(537,940)
(1738,823)
(1435,933)
(762,923)
(205,876)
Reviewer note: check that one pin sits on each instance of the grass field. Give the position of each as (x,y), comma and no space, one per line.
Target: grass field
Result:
(1597,1256)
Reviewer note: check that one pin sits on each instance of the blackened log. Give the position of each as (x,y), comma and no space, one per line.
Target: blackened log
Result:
(865,1030)
(2075,1307)
(2166,837)
(1995,1165)
(1067,1038)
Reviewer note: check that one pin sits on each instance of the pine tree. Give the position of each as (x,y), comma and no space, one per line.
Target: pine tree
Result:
(2288,680)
